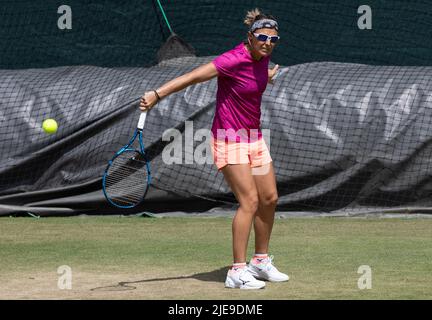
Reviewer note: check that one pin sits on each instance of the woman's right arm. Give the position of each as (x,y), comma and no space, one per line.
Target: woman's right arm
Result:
(200,74)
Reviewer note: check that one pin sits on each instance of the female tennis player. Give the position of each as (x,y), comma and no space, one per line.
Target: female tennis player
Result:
(238,148)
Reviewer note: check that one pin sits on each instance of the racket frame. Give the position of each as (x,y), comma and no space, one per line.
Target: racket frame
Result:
(128,148)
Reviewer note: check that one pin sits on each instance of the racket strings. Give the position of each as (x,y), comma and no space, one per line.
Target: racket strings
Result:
(126,179)
(123,191)
(117,189)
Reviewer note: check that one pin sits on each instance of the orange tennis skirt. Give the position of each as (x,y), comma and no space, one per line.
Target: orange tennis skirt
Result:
(254,153)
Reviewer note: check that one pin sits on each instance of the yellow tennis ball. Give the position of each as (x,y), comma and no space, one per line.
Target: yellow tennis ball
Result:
(50,126)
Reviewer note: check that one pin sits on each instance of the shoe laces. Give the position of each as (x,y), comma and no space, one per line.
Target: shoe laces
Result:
(246,275)
(267,263)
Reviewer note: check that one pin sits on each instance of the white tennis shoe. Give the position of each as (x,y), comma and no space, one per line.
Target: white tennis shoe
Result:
(265,270)
(241,278)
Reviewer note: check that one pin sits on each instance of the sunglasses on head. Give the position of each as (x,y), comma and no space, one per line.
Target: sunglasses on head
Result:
(264,37)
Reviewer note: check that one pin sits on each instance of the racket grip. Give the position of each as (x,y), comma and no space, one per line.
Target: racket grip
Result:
(142,119)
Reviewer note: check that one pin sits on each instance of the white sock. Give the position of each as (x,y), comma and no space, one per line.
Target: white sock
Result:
(258,257)
(237,266)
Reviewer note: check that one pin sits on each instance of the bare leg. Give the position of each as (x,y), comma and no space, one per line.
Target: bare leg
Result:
(239,178)
(268,196)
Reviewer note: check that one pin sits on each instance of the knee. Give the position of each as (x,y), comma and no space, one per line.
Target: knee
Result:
(250,203)
(270,200)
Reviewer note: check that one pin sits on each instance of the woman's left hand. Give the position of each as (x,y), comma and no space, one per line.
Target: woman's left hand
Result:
(272,73)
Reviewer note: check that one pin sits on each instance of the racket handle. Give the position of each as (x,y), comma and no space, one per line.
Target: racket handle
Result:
(142,119)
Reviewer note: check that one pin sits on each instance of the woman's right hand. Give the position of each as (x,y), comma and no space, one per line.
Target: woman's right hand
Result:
(148,100)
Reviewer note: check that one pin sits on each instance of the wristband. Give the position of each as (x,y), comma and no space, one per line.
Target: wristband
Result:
(157,95)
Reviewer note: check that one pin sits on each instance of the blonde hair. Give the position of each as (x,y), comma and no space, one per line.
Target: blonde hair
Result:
(251,16)
(255,15)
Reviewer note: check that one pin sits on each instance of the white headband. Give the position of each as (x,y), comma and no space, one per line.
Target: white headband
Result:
(264,23)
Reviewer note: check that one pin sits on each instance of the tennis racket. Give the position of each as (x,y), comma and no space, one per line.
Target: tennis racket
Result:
(127,177)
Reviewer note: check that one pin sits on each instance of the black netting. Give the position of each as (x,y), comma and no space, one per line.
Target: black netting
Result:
(353,132)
